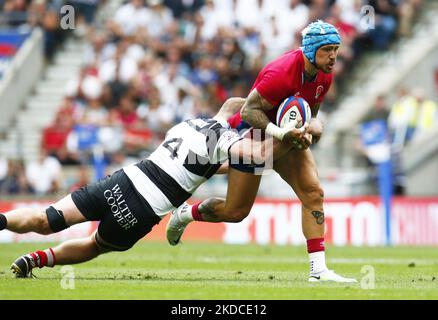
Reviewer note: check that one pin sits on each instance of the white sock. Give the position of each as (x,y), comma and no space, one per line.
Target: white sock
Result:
(317,262)
(185,213)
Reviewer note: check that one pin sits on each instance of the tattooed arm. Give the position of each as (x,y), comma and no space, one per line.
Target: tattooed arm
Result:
(253,112)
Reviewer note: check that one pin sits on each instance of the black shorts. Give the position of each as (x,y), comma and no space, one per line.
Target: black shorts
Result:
(249,168)
(245,129)
(125,216)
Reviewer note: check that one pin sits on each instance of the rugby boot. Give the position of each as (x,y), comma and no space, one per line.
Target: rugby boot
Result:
(175,227)
(22,267)
(330,276)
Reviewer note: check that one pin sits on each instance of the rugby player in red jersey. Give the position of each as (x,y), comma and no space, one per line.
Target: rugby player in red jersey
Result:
(305,72)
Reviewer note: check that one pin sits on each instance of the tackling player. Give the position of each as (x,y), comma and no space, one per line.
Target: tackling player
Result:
(305,72)
(132,200)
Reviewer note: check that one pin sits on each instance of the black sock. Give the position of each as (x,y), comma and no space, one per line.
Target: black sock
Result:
(3,221)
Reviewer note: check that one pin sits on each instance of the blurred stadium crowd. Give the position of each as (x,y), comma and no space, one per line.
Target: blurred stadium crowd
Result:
(157,62)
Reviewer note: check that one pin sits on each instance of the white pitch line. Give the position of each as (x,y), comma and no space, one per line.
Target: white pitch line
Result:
(278,260)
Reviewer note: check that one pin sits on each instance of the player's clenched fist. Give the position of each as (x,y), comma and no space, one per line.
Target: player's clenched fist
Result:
(294,135)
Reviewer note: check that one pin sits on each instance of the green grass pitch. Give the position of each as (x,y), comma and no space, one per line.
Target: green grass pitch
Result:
(153,270)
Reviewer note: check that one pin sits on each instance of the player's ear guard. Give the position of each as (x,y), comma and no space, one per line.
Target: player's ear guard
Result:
(56,219)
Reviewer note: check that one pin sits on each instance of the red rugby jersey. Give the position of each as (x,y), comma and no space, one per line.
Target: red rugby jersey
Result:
(284,77)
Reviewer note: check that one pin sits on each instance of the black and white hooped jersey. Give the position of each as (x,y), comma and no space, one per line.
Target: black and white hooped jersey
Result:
(190,154)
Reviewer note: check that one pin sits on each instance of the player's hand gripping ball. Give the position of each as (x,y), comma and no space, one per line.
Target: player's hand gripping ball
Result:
(293,112)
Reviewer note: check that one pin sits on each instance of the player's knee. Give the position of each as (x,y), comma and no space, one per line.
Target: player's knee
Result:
(98,250)
(55,220)
(42,224)
(313,195)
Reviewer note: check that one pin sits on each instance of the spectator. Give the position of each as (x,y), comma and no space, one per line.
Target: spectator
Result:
(122,68)
(403,117)
(235,57)
(98,49)
(275,41)
(318,9)
(159,20)
(208,20)
(386,23)
(85,9)
(14,182)
(14,12)
(148,68)
(126,113)
(169,82)
(120,160)
(95,113)
(42,15)
(204,72)
(45,174)
(83,175)
(129,18)
(427,114)
(406,11)
(156,115)
(378,114)
(180,7)
(349,35)
(380,111)
(66,157)
(55,135)
(185,106)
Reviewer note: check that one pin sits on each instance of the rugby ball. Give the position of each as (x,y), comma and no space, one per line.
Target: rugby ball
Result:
(293,111)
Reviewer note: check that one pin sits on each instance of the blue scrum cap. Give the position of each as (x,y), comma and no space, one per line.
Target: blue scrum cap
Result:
(316,35)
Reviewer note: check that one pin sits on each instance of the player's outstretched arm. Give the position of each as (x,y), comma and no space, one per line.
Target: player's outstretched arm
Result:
(223,169)
(230,107)
(259,151)
(248,149)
